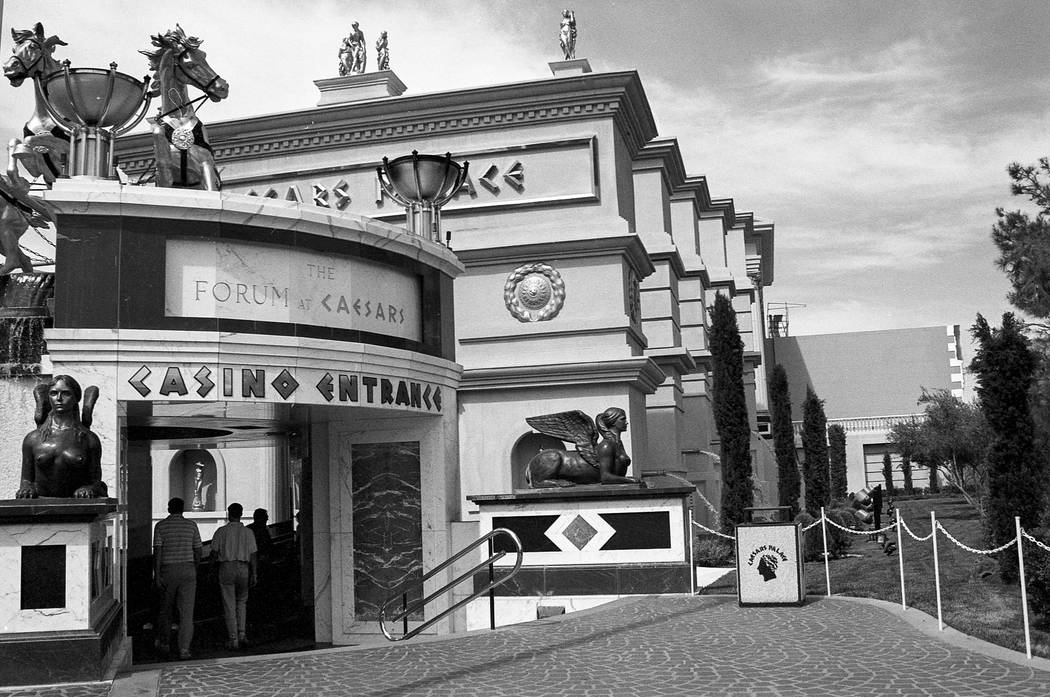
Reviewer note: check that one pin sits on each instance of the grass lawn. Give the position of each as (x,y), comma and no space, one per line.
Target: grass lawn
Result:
(973,598)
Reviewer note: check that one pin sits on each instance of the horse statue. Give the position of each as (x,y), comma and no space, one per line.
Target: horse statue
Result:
(180,143)
(592,462)
(44,146)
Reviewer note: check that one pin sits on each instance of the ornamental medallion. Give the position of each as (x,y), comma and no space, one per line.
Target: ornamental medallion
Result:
(182,138)
(534,293)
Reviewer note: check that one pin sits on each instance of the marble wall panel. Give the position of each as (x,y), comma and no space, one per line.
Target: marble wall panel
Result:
(75,537)
(387,529)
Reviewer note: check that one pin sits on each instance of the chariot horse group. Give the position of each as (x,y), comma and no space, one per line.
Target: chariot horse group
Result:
(184,158)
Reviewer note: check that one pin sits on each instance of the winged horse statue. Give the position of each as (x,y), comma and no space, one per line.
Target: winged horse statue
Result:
(184,157)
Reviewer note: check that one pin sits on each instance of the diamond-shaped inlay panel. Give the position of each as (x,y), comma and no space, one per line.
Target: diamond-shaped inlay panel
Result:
(579,532)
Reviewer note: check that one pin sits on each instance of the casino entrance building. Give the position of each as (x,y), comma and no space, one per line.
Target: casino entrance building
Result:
(286,343)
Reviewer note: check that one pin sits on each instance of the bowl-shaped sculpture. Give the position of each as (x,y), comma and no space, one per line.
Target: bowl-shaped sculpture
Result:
(423,178)
(93,97)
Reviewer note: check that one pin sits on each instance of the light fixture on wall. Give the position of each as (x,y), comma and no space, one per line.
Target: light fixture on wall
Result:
(422,184)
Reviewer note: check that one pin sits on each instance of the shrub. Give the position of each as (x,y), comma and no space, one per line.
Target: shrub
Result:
(1037,571)
(812,543)
(709,550)
(839,541)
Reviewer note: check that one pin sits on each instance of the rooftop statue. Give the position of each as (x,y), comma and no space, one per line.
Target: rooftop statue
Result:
(382,52)
(62,458)
(184,157)
(593,461)
(352,56)
(567,34)
(43,148)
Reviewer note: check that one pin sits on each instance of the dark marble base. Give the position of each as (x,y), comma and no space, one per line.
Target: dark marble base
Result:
(610,579)
(38,658)
(54,510)
(659,486)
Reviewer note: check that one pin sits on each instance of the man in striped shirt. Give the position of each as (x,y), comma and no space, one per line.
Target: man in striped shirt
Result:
(234,547)
(176,553)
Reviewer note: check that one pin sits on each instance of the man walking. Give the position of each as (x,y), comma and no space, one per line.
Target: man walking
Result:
(176,553)
(234,548)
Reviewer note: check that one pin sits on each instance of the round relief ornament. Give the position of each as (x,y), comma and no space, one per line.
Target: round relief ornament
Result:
(534,293)
(182,138)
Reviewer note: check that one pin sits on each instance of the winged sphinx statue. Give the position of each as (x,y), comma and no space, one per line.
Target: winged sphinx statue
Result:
(593,462)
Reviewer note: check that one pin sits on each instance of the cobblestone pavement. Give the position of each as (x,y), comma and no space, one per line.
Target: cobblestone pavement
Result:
(651,646)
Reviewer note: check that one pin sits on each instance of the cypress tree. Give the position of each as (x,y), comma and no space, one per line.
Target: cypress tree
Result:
(906,470)
(887,472)
(815,452)
(788,481)
(1005,366)
(730,411)
(837,461)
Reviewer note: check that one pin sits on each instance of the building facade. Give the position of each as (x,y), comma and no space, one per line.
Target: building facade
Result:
(287,344)
(870,381)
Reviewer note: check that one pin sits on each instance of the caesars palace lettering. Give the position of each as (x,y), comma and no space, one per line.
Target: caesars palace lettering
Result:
(338,196)
(249,383)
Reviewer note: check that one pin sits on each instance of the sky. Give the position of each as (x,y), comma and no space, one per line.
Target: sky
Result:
(874,135)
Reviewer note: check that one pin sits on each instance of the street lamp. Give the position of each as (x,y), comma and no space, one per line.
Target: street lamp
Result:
(93,106)
(422,184)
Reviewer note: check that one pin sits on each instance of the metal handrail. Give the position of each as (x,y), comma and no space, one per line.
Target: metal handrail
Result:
(407,609)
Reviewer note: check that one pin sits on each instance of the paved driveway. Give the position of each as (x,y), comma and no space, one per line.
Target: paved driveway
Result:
(647,646)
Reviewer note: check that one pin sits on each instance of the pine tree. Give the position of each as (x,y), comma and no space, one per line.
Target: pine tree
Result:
(788,480)
(1005,366)
(837,461)
(815,452)
(730,411)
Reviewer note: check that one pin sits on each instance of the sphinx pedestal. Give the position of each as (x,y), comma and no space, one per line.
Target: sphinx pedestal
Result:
(586,545)
(60,620)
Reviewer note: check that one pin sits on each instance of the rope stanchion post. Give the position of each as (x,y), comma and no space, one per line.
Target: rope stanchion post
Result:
(827,567)
(936,569)
(692,561)
(1024,589)
(900,559)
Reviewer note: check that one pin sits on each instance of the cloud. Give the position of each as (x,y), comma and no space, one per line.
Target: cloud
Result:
(902,63)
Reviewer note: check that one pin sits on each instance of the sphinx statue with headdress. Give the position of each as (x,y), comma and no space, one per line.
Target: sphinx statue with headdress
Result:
(599,458)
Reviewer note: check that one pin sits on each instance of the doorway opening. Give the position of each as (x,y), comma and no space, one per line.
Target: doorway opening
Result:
(211,456)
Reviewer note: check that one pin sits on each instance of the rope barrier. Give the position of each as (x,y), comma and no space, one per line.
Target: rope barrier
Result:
(1035,541)
(812,525)
(714,532)
(862,532)
(971,549)
(913,535)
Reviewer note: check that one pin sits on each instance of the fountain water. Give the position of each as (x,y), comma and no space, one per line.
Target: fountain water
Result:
(23,316)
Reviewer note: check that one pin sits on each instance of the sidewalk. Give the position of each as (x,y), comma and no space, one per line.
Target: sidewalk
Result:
(678,645)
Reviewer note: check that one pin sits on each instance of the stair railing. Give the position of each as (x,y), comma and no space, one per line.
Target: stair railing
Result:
(409,608)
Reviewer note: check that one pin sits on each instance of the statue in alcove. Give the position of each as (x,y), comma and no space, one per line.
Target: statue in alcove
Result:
(62,458)
(200,489)
(593,461)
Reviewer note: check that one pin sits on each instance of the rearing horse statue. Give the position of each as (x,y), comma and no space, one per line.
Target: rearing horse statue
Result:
(180,143)
(43,149)
(18,211)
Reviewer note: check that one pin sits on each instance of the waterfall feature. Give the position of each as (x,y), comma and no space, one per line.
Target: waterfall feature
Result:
(24,314)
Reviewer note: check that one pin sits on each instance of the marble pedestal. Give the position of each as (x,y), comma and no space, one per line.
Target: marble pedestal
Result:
(59,618)
(586,545)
